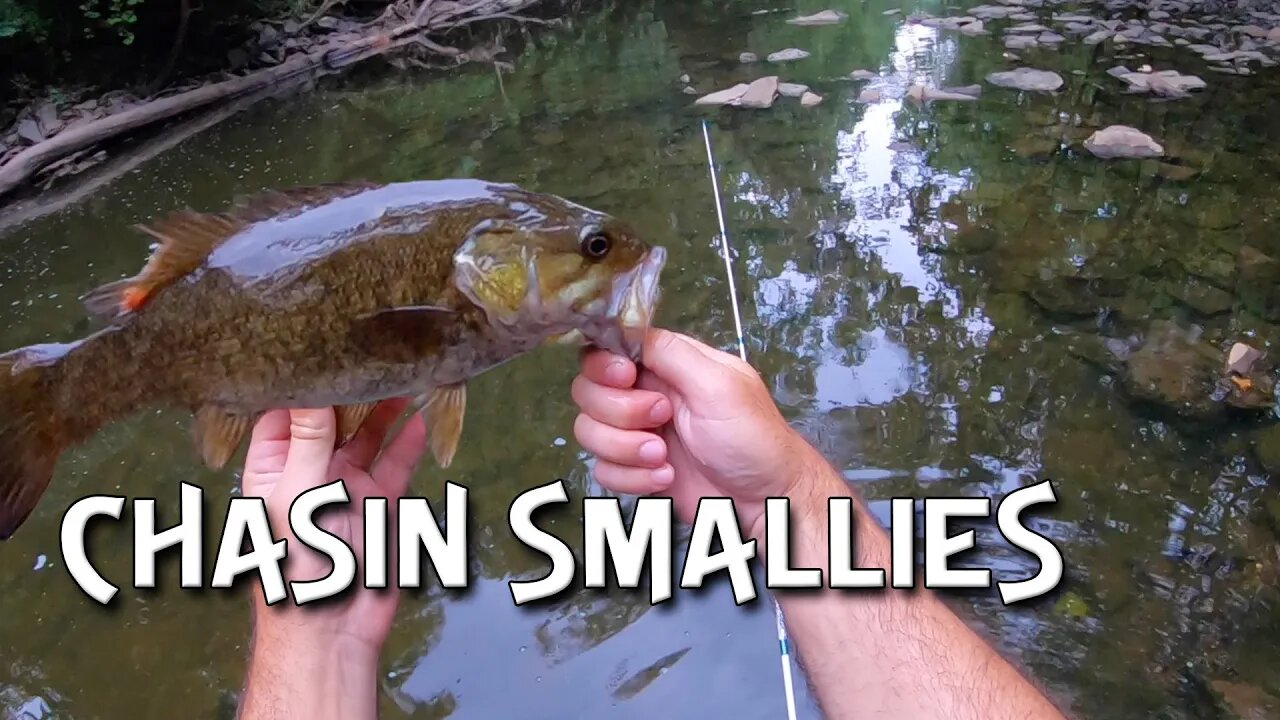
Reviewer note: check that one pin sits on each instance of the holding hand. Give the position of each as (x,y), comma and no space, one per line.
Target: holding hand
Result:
(696,422)
(320,661)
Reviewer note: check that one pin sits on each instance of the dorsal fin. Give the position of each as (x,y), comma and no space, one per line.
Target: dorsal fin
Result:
(186,238)
(290,201)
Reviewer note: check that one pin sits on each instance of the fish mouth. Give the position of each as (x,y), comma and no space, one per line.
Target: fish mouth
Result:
(635,299)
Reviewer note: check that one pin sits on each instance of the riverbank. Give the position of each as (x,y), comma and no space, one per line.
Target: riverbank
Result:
(65,132)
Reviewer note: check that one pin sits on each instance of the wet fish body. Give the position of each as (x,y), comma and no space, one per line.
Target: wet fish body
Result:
(343,295)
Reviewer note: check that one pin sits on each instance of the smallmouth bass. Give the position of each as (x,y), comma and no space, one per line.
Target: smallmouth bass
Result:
(334,295)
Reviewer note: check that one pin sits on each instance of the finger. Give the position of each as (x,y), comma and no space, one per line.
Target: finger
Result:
(685,363)
(648,381)
(624,447)
(633,480)
(312,433)
(363,448)
(627,409)
(268,446)
(605,368)
(395,467)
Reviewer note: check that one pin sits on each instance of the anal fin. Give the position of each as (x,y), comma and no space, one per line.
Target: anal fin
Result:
(443,414)
(218,434)
(350,418)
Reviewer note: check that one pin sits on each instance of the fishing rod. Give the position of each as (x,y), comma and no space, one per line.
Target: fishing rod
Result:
(783,646)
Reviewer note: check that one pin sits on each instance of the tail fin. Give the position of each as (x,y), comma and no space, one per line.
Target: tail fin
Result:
(32,430)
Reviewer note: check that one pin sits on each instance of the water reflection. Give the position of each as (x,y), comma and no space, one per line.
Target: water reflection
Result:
(928,290)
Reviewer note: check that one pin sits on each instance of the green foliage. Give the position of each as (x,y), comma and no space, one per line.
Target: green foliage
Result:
(120,42)
(116,15)
(30,20)
(17,18)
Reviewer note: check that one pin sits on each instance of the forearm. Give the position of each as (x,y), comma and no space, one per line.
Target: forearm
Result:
(290,680)
(888,653)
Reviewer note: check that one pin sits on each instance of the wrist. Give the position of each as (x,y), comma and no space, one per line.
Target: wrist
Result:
(810,481)
(316,676)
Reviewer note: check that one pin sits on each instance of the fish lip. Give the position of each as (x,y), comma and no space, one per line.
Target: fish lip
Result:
(636,299)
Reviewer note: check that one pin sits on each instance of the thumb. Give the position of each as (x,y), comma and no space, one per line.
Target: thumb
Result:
(312,434)
(690,367)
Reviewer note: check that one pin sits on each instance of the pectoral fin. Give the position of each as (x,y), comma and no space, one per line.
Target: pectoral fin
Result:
(402,334)
(443,414)
(350,418)
(218,434)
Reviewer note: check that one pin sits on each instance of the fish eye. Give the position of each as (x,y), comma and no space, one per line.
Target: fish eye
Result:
(596,245)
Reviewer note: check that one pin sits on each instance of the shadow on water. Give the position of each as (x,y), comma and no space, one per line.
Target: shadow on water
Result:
(935,294)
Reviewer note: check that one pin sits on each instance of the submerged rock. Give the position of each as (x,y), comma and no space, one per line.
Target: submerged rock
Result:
(792,89)
(1266,448)
(1035,146)
(748,57)
(992,12)
(787,55)
(810,99)
(1020,42)
(1176,173)
(1201,296)
(1165,83)
(1027,79)
(920,93)
(1258,282)
(869,95)
(723,97)
(826,17)
(1177,372)
(1247,702)
(759,94)
(862,75)
(1122,141)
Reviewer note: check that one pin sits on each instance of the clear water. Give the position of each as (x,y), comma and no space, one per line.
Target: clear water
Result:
(916,284)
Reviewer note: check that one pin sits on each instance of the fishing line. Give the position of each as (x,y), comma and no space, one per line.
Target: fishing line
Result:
(783,645)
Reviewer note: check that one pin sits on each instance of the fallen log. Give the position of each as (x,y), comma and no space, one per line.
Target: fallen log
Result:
(325,59)
(86,183)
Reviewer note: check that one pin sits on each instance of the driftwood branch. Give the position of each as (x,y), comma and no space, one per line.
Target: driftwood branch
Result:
(327,58)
